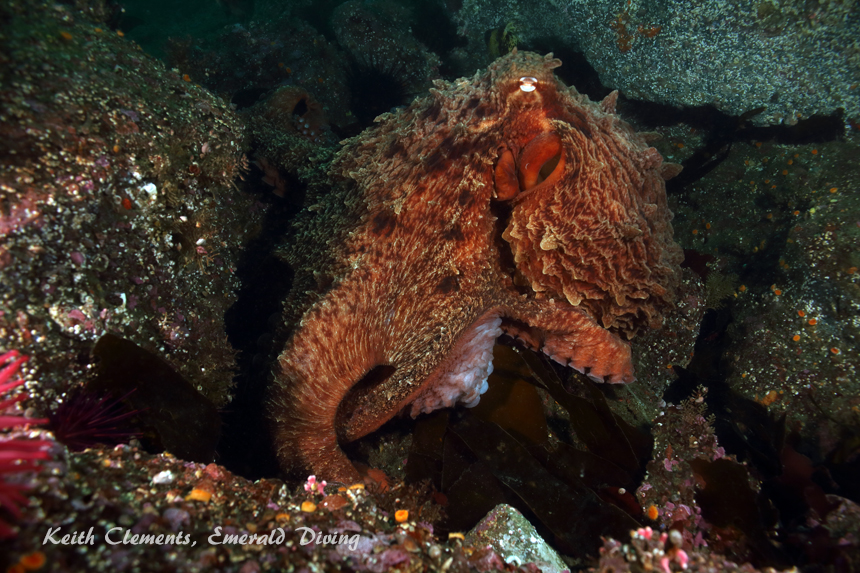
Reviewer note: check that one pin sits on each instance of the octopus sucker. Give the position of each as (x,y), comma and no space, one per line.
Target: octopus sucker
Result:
(505,203)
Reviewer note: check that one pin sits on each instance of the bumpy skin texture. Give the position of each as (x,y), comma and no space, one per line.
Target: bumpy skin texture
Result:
(480,200)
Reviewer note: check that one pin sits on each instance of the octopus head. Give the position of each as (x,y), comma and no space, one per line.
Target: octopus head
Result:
(588,222)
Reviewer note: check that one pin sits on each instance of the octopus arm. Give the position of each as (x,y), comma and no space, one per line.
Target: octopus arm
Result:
(568,335)
(333,349)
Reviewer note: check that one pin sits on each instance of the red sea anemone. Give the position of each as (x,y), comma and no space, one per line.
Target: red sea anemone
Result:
(17,454)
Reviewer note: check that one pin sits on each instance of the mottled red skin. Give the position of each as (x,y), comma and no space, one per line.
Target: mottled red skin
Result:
(405,254)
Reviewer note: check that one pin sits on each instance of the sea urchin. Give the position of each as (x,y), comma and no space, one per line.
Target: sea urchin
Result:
(87,418)
(17,454)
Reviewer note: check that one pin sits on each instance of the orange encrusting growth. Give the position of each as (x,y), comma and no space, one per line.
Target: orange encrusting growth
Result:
(653,512)
(33,561)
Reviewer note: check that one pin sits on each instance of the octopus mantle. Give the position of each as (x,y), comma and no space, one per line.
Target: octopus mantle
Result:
(505,203)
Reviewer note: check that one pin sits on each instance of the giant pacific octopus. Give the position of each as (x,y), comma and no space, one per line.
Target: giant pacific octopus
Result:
(507,203)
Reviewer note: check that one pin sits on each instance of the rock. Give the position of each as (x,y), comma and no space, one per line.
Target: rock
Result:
(118,211)
(737,57)
(515,540)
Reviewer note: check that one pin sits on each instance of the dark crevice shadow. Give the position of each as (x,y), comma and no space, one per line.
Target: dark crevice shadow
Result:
(722,131)
(252,323)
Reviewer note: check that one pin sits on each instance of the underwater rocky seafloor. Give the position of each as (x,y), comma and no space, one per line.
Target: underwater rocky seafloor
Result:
(140,215)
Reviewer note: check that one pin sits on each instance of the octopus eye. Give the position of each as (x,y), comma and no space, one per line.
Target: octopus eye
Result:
(528,84)
(540,164)
(541,161)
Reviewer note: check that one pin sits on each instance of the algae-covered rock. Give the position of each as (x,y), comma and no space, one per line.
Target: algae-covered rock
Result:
(118,212)
(515,540)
